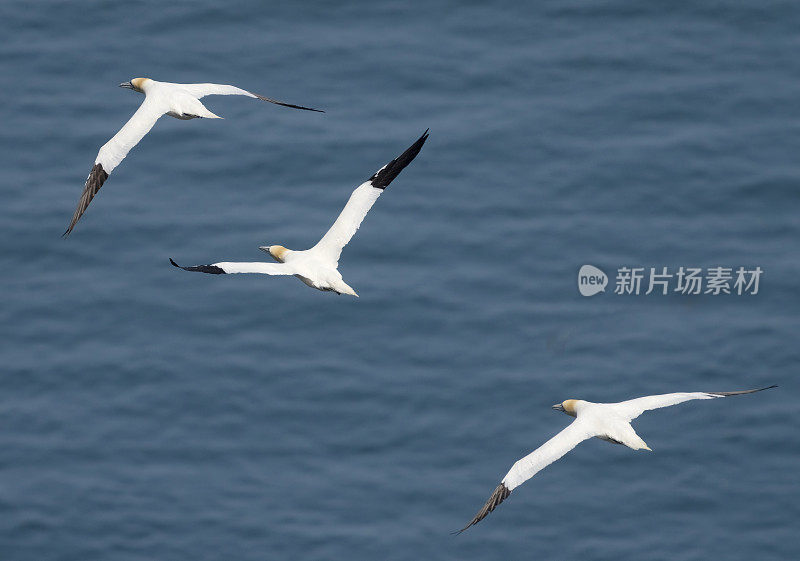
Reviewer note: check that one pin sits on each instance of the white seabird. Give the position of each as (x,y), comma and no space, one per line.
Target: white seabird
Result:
(607,421)
(318,267)
(181,101)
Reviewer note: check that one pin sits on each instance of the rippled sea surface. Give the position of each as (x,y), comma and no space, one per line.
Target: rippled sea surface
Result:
(151,414)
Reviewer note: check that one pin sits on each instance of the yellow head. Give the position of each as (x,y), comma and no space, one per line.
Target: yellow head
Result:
(137,84)
(278,252)
(567,406)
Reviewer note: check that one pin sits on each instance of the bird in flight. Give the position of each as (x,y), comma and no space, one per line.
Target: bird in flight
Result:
(607,421)
(181,101)
(318,267)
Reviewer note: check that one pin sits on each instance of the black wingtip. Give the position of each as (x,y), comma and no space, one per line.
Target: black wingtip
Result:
(385,175)
(500,494)
(742,392)
(97,176)
(300,107)
(209,269)
(284,104)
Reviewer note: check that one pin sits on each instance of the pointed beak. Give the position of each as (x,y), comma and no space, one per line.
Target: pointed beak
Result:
(126,85)
(264,248)
(558,407)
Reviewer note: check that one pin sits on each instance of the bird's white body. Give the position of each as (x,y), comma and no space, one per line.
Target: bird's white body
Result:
(607,421)
(310,266)
(318,267)
(317,272)
(181,101)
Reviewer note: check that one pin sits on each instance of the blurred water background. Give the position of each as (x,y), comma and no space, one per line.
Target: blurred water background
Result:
(147,413)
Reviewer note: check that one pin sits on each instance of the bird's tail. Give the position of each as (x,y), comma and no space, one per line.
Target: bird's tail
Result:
(202,111)
(209,115)
(343,288)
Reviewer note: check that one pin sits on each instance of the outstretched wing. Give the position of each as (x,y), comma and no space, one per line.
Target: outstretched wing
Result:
(359,203)
(533,463)
(115,150)
(634,407)
(202,90)
(229,268)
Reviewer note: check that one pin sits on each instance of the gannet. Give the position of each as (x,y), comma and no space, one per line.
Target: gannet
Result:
(181,101)
(318,267)
(607,421)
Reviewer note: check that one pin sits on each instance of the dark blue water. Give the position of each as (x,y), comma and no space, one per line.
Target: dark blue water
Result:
(147,413)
